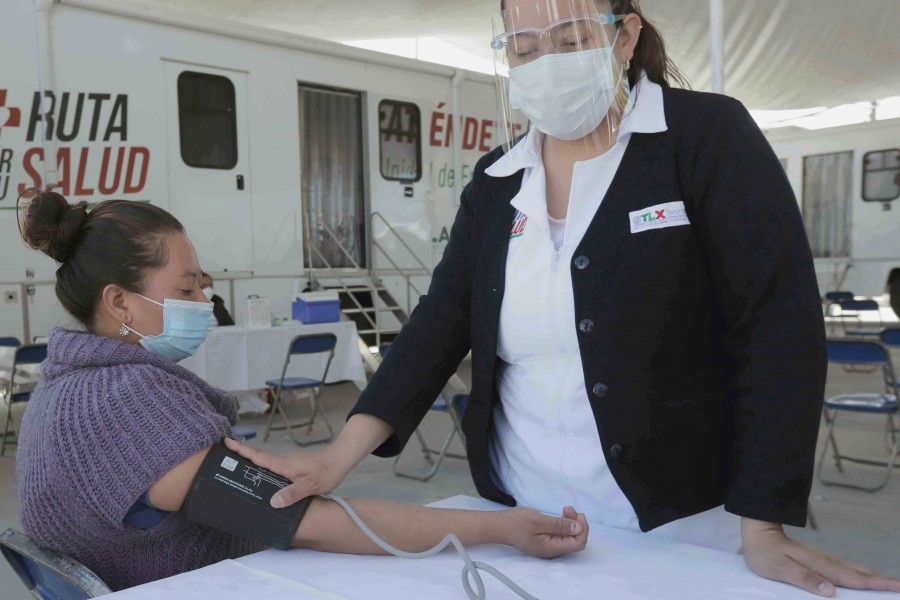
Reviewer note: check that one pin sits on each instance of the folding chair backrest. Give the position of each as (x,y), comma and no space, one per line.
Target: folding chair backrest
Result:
(313,344)
(858,305)
(857,352)
(33,354)
(838,295)
(863,352)
(10,342)
(47,573)
(891,336)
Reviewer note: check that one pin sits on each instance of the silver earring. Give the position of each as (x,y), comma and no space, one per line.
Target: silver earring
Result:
(123,330)
(627,64)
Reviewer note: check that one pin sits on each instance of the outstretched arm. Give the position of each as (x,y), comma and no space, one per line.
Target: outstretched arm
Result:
(412,528)
(327,527)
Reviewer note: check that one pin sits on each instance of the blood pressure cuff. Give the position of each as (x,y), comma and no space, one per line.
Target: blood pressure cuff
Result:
(232,494)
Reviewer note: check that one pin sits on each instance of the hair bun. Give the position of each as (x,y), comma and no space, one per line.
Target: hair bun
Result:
(53,226)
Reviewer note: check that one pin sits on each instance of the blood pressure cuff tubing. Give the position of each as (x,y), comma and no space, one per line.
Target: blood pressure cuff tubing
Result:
(232,494)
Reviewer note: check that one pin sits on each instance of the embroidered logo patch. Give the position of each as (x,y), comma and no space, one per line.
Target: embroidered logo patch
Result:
(518,226)
(669,214)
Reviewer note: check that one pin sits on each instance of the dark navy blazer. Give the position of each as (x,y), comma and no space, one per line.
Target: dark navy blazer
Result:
(706,366)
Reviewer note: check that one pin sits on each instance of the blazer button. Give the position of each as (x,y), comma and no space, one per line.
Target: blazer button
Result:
(615,451)
(585,326)
(600,390)
(582,262)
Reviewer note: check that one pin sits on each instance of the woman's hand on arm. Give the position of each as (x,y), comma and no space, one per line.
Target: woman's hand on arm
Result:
(327,527)
(320,471)
(770,553)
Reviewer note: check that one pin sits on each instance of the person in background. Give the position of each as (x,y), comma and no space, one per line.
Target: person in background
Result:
(116,430)
(219,310)
(894,290)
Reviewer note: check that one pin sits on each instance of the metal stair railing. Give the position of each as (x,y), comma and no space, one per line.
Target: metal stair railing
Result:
(407,274)
(455,384)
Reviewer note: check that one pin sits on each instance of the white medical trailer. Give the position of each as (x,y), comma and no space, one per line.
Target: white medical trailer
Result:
(276,152)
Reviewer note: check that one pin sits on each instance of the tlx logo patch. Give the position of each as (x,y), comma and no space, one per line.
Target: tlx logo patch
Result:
(518,226)
(669,214)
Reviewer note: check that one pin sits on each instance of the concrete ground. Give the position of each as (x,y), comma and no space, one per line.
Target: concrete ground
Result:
(861,526)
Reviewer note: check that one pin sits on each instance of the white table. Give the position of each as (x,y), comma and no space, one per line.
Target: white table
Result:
(237,358)
(616,565)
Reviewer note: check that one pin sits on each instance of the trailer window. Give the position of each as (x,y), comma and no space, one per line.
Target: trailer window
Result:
(826,203)
(400,140)
(881,175)
(207,121)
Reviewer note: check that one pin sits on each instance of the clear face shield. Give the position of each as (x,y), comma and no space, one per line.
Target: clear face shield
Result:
(555,68)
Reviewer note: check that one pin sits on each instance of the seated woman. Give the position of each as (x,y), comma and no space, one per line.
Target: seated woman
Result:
(115,432)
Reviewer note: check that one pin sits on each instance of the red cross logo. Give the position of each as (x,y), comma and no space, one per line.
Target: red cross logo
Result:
(661,214)
(9,116)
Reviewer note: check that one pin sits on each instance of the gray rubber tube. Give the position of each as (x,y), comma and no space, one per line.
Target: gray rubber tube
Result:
(470,569)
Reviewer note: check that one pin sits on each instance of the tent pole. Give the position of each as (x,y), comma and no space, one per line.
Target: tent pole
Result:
(716,53)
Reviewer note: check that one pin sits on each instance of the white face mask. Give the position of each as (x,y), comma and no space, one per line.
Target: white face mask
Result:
(565,95)
(208,292)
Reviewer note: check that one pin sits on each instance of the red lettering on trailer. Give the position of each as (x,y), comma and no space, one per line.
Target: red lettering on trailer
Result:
(476,133)
(127,178)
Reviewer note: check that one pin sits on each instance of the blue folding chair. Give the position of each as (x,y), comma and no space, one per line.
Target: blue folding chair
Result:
(890,336)
(243,433)
(872,354)
(831,301)
(455,409)
(10,342)
(33,354)
(319,343)
(838,295)
(47,574)
(853,311)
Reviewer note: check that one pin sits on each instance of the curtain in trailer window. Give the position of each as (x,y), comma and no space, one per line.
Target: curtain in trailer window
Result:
(332,178)
(827,189)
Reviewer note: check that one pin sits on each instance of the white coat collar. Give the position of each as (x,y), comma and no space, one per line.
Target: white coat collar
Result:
(644,114)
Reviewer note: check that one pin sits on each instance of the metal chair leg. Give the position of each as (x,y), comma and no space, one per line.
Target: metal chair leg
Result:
(890,464)
(316,408)
(441,454)
(426,451)
(434,467)
(279,407)
(7,427)
(276,398)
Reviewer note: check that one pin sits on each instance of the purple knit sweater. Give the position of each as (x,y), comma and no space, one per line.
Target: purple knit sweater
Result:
(106,421)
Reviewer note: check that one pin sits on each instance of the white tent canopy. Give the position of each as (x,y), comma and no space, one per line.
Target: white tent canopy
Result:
(778,54)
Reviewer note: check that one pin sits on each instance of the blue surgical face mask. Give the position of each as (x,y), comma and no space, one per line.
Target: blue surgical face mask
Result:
(185,325)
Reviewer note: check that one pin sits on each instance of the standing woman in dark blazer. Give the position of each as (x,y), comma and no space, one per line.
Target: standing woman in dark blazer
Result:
(635,286)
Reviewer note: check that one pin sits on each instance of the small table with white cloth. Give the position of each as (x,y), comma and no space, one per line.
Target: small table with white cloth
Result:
(239,358)
(616,565)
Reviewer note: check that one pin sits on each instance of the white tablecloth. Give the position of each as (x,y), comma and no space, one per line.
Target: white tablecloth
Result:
(237,358)
(616,565)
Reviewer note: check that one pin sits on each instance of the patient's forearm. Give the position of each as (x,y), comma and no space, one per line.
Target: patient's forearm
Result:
(328,528)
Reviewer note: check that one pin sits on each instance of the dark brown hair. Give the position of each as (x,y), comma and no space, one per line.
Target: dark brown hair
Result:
(117,242)
(650,51)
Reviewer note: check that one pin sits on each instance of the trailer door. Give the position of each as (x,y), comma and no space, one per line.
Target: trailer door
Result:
(332,178)
(208,175)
